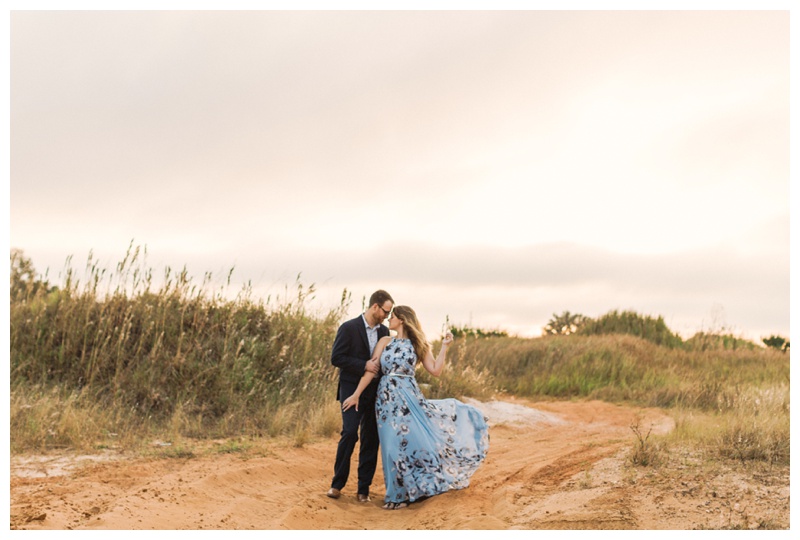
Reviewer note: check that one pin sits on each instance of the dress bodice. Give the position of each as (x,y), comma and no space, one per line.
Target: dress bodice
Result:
(399,358)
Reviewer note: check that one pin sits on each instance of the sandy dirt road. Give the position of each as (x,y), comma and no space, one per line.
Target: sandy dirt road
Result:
(555,465)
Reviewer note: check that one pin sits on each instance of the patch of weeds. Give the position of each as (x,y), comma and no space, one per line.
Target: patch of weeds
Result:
(630,477)
(645,453)
(264,453)
(586,480)
(178,452)
(768,524)
(301,438)
(728,527)
(753,443)
(233,447)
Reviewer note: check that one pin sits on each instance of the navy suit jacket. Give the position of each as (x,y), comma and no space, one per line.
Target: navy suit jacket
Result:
(351,352)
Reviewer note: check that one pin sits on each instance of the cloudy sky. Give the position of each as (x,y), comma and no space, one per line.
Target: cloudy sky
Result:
(493,167)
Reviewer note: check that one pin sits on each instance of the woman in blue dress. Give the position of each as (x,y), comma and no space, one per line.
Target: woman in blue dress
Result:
(427,446)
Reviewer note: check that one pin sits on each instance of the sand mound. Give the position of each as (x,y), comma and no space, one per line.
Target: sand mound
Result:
(503,412)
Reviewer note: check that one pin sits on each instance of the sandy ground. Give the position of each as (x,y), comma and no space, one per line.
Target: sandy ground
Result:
(559,465)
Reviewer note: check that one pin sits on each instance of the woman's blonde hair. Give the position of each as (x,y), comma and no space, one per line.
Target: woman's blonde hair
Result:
(413,330)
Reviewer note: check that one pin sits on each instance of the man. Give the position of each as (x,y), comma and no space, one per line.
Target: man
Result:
(352,349)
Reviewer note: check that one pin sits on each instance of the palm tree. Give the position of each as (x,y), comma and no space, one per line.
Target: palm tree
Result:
(777,342)
(564,324)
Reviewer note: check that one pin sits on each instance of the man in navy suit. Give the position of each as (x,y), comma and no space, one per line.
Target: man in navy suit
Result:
(352,350)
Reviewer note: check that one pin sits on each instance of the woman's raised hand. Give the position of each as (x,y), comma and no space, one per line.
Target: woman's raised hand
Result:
(448,338)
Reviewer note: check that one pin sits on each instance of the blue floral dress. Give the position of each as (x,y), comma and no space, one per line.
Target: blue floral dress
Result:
(427,446)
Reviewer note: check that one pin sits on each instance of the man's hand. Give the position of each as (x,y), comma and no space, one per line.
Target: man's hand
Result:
(373,366)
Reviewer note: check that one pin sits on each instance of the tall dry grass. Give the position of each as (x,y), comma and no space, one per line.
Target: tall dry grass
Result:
(621,368)
(110,359)
(734,403)
(752,425)
(110,353)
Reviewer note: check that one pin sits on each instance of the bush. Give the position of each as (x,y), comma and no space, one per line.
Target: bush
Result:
(631,323)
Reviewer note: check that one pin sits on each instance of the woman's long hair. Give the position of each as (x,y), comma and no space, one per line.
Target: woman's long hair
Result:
(413,330)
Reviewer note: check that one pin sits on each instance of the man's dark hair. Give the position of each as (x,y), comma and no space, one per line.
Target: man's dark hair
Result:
(380,297)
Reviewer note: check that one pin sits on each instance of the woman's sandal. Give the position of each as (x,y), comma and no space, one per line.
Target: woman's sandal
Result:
(394,506)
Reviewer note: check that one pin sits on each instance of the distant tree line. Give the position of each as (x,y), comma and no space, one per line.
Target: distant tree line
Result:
(464,331)
(652,329)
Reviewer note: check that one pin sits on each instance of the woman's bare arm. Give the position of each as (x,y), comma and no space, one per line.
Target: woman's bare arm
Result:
(436,365)
(367,377)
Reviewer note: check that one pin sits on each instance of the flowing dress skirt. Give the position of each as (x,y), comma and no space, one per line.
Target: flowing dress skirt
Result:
(427,446)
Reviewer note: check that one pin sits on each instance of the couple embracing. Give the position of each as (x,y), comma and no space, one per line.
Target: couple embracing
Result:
(427,446)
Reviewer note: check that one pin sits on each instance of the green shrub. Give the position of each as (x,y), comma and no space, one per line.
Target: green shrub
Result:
(634,324)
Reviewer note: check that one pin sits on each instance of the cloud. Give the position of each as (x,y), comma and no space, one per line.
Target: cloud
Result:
(537,160)
(555,265)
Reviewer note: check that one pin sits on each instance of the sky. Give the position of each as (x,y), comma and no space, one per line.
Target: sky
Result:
(490,168)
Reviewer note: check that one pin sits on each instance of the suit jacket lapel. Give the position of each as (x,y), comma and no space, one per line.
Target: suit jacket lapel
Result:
(362,330)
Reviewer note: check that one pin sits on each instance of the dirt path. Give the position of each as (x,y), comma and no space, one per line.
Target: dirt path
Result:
(554,465)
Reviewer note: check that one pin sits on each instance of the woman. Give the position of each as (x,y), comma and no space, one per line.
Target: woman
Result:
(427,447)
